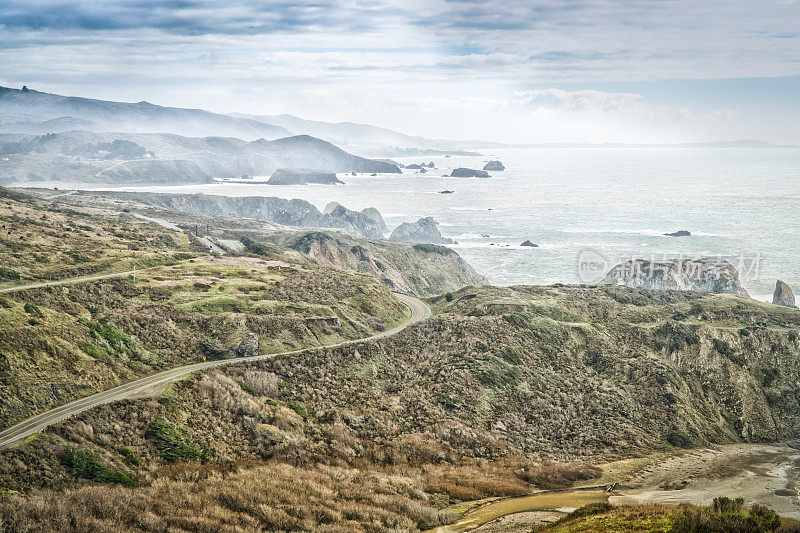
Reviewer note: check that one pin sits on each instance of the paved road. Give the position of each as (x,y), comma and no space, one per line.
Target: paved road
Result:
(16,434)
(211,245)
(236,246)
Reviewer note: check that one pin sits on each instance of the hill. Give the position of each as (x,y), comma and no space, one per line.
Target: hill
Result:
(30,111)
(114,158)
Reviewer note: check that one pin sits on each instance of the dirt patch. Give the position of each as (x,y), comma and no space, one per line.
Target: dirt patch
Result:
(520,522)
(759,473)
(249,261)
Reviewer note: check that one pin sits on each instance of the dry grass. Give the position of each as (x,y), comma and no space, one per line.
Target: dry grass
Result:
(505,477)
(272,497)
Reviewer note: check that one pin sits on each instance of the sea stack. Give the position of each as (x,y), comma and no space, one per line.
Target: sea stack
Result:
(462,172)
(706,274)
(284,176)
(783,295)
(494,165)
(681,233)
(424,230)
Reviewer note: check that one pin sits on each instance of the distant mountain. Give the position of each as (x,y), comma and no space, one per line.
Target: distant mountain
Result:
(87,157)
(364,138)
(343,133)
(34,112)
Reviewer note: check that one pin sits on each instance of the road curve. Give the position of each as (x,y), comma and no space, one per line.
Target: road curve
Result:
(16,434)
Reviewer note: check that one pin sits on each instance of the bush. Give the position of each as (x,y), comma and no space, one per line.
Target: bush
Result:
(84,464)
(726,516)
(9,273)
(174,443)
(254,247)
(679,439)
(130,456)
(33,310)
(448,296)
(550,476)
(433,249)
(359,252)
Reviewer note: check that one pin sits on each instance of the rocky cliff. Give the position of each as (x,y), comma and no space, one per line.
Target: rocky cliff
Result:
(704,274)
(462,172)
(783,295)
(278,210)
(425,230)
(284,176)
(421,269)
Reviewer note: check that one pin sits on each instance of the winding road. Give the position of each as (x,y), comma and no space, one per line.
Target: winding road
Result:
(19,432)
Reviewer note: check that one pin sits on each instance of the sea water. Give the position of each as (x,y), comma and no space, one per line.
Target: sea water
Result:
(742,204)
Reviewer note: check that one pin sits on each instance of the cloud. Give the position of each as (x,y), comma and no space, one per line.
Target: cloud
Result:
(546,56)
(586,100)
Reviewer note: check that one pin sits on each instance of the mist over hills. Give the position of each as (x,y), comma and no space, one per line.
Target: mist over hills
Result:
(29,111)
(167,158)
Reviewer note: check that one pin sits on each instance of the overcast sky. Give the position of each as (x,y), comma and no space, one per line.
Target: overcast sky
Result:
(504,70)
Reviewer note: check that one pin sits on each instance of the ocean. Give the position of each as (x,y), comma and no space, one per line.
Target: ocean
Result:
(742,204)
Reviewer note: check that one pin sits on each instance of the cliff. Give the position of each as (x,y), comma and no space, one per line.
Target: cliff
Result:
(424,230)
(284,176)
(704,274)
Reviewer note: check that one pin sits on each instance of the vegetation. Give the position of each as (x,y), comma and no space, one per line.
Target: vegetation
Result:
(84,464)
(254,247)
(726,516)
(433,249)
(63,342)
(174,444)
(269,497)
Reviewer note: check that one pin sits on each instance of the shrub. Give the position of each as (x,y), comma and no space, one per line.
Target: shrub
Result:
(298,408)
(679,439)
(359,252)
(5,304)
(550,476)
(433,249)
(9,273)
(254,247)
(723,504)
(130,456)
(33,309)
(448,296)
(84,464)
(174,443)
(726,516)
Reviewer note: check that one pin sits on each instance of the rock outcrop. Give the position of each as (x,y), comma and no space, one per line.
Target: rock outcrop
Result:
(494,165)
(529,244)
(424,230)
(705,274)
(681,233)
(375,215)
(285,176)
(783,295)
(298,213)
(421,269)
(462,172)
(330,207)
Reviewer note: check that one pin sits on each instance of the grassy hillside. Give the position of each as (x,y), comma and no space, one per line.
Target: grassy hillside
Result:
(60,343)
(513,376)
(422,269)
(41,241)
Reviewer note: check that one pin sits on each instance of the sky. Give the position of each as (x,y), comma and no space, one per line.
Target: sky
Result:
(502,70)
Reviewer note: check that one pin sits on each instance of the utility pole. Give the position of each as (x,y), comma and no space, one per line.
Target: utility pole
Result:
(134,272)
